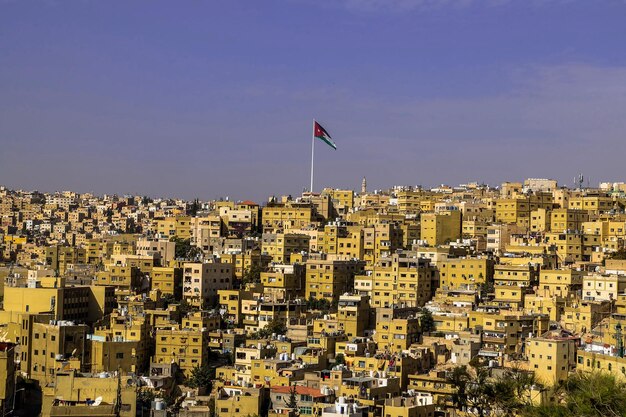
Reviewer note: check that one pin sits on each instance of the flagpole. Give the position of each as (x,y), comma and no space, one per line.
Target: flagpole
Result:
(312,154)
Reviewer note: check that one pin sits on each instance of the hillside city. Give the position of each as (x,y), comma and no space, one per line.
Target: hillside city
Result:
(469,300)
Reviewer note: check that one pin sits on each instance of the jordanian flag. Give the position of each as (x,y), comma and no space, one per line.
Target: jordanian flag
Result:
(321,134)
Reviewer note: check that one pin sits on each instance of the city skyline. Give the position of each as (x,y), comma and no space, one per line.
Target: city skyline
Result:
(161,100)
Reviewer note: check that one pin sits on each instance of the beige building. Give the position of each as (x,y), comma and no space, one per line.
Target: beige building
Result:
(202,281)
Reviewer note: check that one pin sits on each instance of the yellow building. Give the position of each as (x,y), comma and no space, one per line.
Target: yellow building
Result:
(235,401)
(560,282)
(353,314)
(435,383)
(186,346)
(593,204)
(582,316)
(403,281)
(80,303)
(244,261)
(73,394)
(60,257)
(511,283)
(280,246)
(7,377)
(465,273)
(113,355)
(552,357)
(603,287)
(518,210)
(52,344)
(123,278)
(417,406)
(540,220)
(397,334)
(503,332)
(329,278)
(552,305)
(597,361)
(179,226)
(343,200)
(440,228)
(564,219)
(168,281)
(380,240)
(341,240)
(280,217)
(284,282)
(231,304)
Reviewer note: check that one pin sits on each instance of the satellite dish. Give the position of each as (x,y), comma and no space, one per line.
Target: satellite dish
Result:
(97,401)
(74,352)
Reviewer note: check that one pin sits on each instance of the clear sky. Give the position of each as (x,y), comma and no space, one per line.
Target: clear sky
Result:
(216,98)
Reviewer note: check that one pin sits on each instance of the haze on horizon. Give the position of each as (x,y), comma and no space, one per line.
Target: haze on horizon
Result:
(210,99)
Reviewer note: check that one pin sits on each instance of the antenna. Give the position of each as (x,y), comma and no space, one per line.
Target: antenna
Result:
(580,180)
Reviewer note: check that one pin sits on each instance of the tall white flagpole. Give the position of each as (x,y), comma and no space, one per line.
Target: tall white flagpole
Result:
(312,154)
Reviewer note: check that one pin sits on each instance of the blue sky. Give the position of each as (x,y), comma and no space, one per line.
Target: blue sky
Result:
(215,98)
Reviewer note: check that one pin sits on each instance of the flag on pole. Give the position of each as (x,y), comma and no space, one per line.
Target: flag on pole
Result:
(321,134)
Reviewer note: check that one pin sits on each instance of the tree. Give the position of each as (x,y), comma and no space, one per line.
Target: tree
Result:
(478,393)
(194,208)
(201,377)
(486,288)
(459,379)
(145,398)
(292,401)
(586,395)
(272,327)
(252,274)
(321,304)
(619,255)
(185,308)
(212,408)
(181,247)
(426,321)
(184,250)
(340,359)
(168,299)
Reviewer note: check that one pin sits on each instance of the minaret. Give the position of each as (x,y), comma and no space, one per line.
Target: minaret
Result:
(364,186)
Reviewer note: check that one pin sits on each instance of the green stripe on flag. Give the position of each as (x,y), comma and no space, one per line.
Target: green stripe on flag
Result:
(327,141)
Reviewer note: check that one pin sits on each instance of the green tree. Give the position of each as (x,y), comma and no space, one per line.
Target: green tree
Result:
(194,207)
(486,288)
(586,395)
(459,379)
(619,255)
(181,247)
(212,408)
(340,359)
(273,327)
(184,250)
(145,398)
(292,401)
(185,308)
(320,304)
(252,274)
(201,377)
(427,321)
(168,299)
